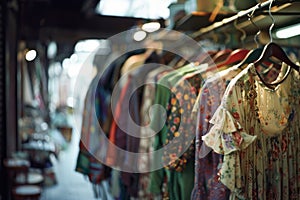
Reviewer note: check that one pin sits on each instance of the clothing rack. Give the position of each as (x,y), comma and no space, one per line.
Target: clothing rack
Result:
(279,13)
(240,14)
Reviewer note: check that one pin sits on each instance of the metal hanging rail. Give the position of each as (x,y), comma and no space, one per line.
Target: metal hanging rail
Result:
(229,20)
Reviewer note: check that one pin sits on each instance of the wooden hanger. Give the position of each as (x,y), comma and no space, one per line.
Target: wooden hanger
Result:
(221,55)
(235,56)
(251,57)
(202,57)
(274,50)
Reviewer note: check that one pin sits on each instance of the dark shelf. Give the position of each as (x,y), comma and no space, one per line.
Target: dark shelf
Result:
(198,20)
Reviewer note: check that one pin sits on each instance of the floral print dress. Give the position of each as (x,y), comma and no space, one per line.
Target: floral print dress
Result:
(257,129)
(207,185)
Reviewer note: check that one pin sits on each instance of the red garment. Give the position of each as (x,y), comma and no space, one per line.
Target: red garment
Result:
(111,154)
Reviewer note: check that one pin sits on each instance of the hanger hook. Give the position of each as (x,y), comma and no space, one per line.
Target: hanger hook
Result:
(273,21)
(244,35)
(250,17)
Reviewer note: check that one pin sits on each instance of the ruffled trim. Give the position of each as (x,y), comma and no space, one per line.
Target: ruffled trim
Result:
(226,135)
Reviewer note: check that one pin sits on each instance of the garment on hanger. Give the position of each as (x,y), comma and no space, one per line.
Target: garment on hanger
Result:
(180,170)
(131,101)
(162,96)
(146,142)
(207,163)
(248,153)
(96,114)
(130,64)
(256,128)
(179,108)
(180,121)
(133,143)
(180,130)
(91,138)
(207,184)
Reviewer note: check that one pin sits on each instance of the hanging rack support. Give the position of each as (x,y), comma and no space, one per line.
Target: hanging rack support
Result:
(229,20)
(280,13)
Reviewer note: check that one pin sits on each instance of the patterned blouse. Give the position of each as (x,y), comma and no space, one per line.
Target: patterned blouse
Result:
(257,129)
(207,163)
(181,126)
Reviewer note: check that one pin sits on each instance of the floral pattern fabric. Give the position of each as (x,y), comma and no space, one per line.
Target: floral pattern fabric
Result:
(181,125)
(207,163)
(162,96)
(257,129)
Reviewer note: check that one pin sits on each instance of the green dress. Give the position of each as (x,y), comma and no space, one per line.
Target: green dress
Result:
(162,96)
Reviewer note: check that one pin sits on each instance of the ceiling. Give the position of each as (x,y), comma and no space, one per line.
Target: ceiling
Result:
(67,21)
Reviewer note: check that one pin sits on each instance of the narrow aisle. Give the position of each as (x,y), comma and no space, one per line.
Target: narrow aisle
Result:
(70,184)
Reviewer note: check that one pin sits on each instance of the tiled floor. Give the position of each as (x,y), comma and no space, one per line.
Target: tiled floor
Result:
(70,184)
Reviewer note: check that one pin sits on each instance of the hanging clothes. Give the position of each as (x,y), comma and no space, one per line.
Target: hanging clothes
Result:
(179,184)
(147,140)
(207,185)
(256,128)
(250,128)
(207,164)
(162,96)
(132,143)
(180,125)
(131,94)
(92,137)
(97,114)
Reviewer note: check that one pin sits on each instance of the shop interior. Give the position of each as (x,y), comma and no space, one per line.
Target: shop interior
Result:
(73,74)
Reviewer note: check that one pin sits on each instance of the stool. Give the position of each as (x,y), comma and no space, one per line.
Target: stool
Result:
(20,178)
(21,174)
(31,178)
(15,167)
(27,192)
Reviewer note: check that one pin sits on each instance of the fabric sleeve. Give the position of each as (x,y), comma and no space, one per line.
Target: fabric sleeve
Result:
(226,135)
